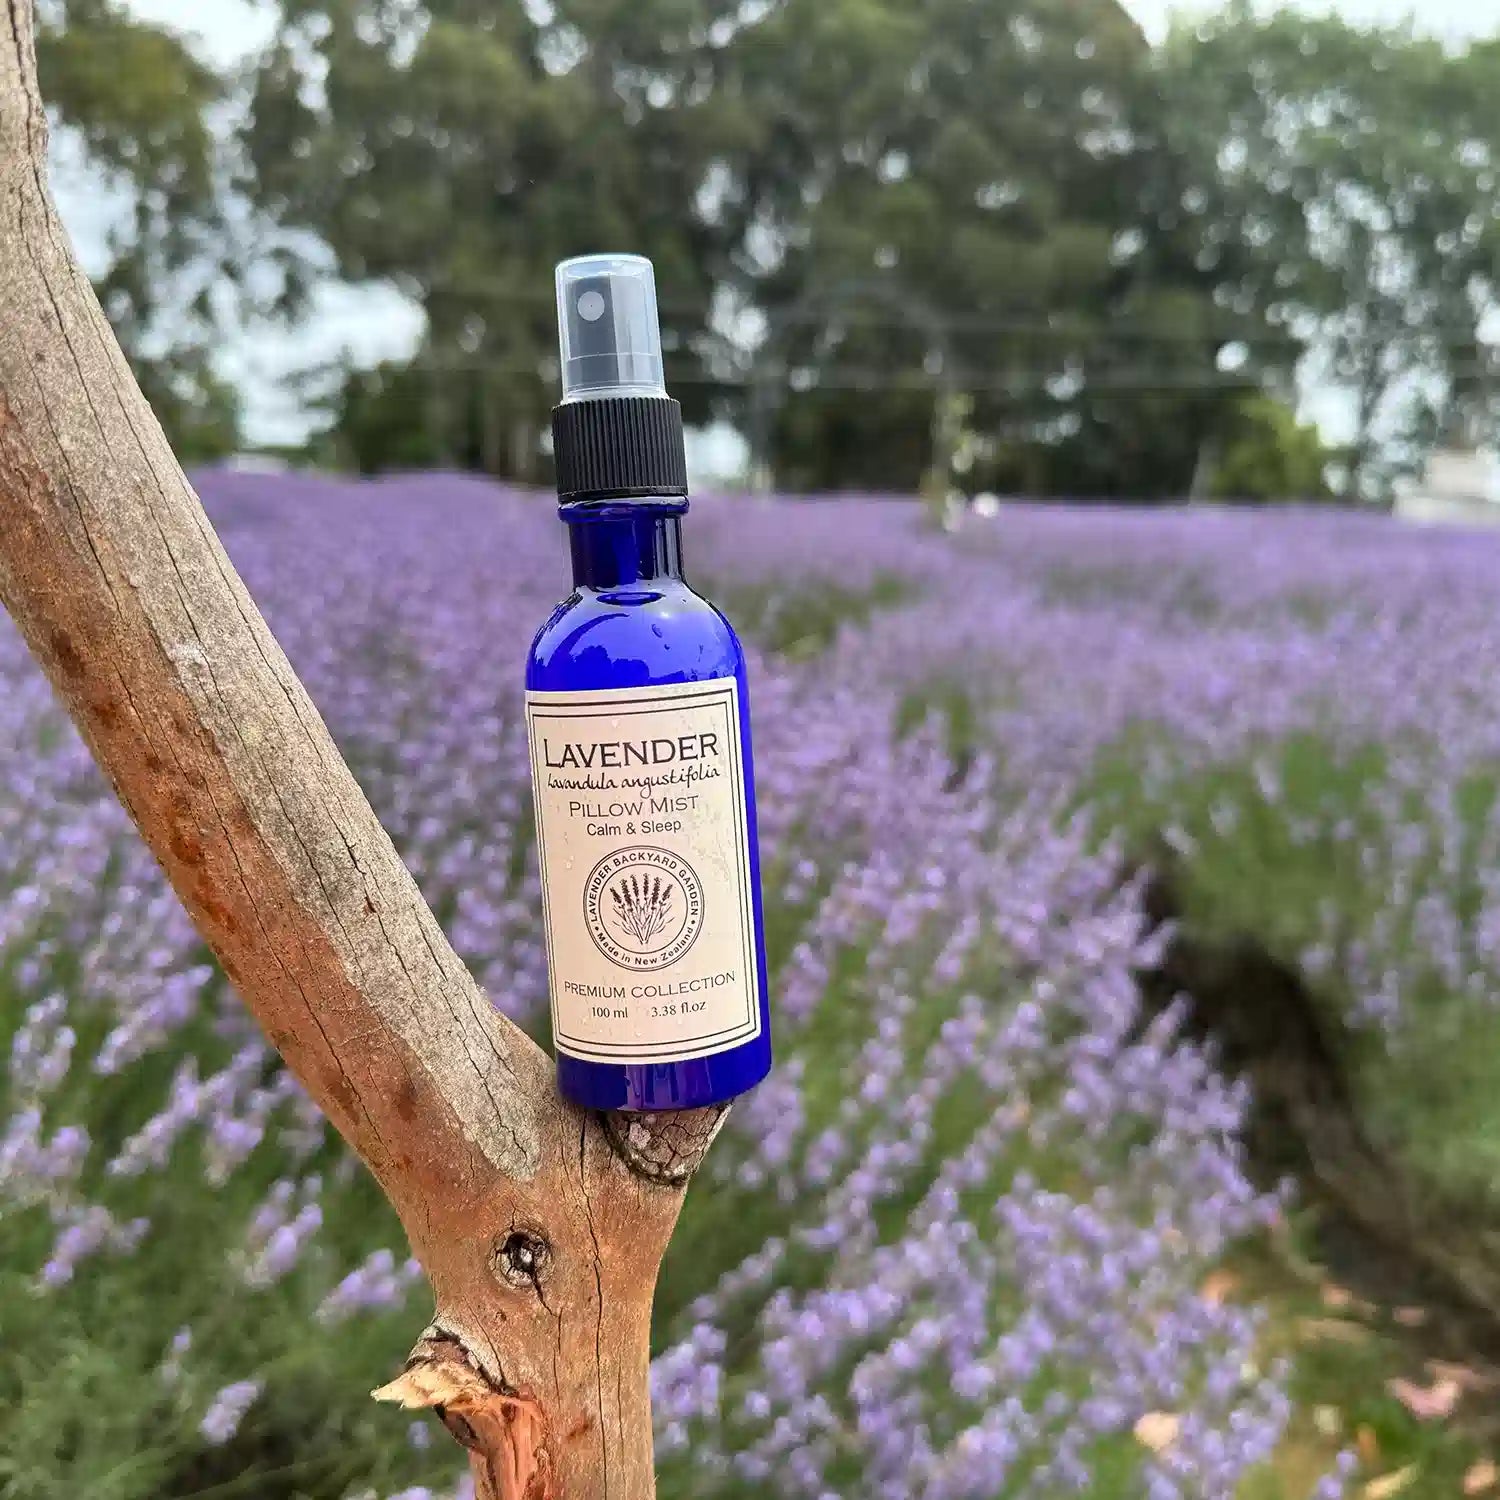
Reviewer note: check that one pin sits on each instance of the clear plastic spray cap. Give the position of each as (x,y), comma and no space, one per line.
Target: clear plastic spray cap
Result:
(608,328)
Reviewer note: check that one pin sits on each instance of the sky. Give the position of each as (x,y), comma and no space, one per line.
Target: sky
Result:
(374,324)
(230,28)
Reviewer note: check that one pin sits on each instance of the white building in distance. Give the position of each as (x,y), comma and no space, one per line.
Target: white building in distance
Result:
(1459,486)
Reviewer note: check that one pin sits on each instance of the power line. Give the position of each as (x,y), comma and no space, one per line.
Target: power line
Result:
(481,292)
(1037,380)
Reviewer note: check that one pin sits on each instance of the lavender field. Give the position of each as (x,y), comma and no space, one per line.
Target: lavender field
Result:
(968,1241)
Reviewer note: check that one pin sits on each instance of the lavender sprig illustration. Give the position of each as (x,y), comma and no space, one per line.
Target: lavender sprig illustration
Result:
(642,907)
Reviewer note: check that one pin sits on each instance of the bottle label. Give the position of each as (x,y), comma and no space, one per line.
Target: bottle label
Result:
(647,890)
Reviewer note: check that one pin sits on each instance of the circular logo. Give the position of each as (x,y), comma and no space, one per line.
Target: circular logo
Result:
(643,907)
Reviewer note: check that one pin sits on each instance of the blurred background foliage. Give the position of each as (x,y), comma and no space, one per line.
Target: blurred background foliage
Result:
(1002,246)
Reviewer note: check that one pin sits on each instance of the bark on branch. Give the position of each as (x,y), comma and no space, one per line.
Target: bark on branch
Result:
(541,1228)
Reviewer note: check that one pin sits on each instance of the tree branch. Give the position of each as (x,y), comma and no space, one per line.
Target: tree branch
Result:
(541,1228)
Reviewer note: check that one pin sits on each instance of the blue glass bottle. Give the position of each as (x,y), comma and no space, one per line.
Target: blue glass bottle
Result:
(616,662)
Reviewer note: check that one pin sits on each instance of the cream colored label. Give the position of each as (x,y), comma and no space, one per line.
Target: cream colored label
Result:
(645,863)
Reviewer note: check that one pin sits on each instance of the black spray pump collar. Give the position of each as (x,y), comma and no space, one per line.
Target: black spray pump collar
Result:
(619,445)
(616,431)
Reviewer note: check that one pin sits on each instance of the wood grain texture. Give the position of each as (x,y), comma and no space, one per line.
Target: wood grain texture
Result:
(541,1228)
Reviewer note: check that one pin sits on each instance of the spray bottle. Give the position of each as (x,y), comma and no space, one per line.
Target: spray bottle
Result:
(638,718)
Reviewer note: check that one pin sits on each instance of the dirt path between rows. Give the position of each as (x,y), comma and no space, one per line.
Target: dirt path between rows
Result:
(1383,1230)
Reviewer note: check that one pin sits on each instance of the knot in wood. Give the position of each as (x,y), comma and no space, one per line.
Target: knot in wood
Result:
(522,1258)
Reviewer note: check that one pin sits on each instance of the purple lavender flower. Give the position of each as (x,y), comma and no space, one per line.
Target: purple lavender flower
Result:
(227,1410)
(377,1285)
(280,1231)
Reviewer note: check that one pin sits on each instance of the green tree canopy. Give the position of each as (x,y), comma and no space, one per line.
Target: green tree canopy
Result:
(461,149)
(1265,453)
(1346,190)
(973,199)
(858,210)
(870,216)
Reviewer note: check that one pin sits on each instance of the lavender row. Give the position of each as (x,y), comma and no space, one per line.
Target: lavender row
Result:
(956,1247)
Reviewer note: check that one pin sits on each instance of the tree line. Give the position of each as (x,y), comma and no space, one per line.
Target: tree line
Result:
(1002,244)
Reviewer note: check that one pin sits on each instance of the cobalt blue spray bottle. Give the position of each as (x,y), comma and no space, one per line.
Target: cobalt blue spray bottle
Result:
(639,725)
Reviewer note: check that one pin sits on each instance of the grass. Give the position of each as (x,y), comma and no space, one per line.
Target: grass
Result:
(1430,1092)
(1345,1352)
(801,622)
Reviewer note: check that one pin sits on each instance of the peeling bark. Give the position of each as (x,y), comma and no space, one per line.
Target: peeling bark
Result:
(541,1228)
